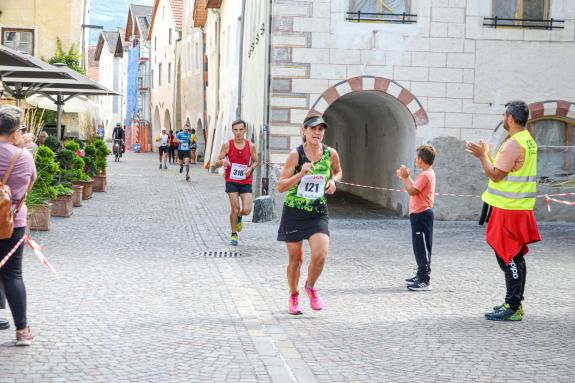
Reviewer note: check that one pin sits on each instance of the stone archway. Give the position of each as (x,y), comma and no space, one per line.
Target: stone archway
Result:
(167,121)
(372,124)
(156,126)
(367,84)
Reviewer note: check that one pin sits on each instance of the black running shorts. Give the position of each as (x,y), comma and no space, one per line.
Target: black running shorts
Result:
(297,225)
(232,187)
(184,154)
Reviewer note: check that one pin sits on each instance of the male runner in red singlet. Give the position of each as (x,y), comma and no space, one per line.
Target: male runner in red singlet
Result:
(239,158)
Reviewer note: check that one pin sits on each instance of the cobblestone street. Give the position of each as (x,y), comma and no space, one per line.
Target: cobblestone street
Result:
(136,301)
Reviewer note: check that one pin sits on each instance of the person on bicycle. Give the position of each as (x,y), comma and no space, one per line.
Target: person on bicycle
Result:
(119,135)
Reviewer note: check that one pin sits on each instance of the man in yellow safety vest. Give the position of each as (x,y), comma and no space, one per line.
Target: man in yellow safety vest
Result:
(511,193)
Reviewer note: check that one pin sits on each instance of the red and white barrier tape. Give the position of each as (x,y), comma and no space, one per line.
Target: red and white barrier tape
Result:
(36,248)
(550,199)
(439,194)
(404,191)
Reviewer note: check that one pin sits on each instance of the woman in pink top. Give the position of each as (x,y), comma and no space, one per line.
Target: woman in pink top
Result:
(20,178)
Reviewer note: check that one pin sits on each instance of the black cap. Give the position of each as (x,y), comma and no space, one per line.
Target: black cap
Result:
(314,121)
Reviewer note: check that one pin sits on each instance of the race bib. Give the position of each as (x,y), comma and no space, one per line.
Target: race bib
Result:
(184,146)
(311,186)
(238,172)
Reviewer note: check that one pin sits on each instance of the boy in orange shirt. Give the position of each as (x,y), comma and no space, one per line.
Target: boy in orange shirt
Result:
(421,197)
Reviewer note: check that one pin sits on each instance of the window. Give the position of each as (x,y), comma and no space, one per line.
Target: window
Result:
(19,39)
(379,6)
(556,154)
(522,13)
(380,10)
(170,36)
(160,74)
(169,73)
(198,56)
(152,78)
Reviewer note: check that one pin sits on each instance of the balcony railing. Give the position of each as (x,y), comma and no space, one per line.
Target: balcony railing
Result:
(369,17)
(500,22)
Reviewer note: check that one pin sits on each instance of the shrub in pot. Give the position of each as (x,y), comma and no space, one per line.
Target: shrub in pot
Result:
(63,204)
(72,169)
(43,190)
(96,163)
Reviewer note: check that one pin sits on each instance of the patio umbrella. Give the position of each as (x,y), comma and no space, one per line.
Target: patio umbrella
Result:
(57,82)
(22,73)
(78,104)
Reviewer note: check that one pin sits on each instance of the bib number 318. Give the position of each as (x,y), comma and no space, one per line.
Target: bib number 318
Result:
(311,186)
(238,172)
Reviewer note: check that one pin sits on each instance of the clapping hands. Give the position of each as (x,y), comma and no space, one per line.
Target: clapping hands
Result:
(403,172)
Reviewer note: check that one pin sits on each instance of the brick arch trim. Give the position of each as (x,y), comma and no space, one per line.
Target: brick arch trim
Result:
(371,83)
(552,108)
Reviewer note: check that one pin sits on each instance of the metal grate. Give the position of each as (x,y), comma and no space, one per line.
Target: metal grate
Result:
(367,17)
(220,254)
(500,22)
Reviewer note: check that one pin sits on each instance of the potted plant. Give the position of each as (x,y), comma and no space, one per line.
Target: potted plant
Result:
(96,164)
(102,153)
(63,204)
(42,191)
(72,166)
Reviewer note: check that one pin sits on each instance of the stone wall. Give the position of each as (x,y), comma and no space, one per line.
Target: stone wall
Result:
(460,71)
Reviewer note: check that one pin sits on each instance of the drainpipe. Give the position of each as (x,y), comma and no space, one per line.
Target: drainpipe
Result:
(241,66)
(266,127)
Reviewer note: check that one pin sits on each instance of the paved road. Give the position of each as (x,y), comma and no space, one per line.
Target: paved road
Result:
(136,303)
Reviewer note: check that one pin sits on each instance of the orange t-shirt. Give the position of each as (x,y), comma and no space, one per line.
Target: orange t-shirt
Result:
(425,183)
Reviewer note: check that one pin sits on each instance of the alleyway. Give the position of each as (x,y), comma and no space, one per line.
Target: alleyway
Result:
(136,301)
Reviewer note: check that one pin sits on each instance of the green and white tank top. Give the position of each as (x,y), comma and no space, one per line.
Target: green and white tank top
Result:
(309,193)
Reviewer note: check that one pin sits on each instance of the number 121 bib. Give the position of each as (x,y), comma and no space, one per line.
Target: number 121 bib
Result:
(311,186)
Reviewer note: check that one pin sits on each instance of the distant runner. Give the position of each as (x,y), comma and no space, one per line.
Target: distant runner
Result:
(184,153)
(164,140)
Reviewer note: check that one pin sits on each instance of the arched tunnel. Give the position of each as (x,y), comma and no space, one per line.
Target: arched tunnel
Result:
(374,133)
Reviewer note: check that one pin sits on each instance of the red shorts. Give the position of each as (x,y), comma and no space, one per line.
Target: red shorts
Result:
(510,231)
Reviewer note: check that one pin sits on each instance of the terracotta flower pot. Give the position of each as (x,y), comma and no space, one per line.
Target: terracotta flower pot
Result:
(100,183)
(40,217)
(63,206)
(77,196)
(87,192)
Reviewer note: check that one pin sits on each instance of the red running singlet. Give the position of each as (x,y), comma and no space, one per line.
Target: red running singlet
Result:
(240,161)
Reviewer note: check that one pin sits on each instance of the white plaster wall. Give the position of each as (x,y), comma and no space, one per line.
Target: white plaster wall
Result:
(254,90)
(192,86)
(110,73)
(223,100)
(165,53)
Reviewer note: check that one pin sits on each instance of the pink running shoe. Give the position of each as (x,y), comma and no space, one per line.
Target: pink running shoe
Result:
(24,337)
(315,300)
(293,304)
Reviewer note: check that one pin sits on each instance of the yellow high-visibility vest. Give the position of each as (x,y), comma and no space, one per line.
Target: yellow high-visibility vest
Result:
(517,191)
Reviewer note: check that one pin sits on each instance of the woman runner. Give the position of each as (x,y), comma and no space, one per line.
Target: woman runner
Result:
(310,172)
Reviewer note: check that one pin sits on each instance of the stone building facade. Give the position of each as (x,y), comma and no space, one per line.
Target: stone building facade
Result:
(443,77)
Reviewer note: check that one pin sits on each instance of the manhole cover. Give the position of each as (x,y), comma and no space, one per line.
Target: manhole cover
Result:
(220,254)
